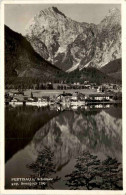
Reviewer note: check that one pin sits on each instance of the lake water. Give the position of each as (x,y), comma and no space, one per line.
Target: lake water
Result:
(63,148)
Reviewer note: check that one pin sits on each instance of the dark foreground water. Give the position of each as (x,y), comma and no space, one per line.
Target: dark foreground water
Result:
(63,148)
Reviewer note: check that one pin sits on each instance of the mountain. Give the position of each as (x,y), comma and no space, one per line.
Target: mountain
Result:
(26,63)
(113,69)
(108,47)
(70,45)
(22,61)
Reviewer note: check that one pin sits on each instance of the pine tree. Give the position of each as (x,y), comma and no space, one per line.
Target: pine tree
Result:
(44,167)
(91,173)
(85,173)
(111,174)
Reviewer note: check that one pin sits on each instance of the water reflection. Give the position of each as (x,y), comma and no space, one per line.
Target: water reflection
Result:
(68,134)
(71,132)
(21,123)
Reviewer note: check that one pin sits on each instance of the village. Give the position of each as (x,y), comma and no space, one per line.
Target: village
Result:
(64,94)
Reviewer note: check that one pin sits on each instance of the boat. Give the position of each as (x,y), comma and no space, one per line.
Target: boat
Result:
(15,103)
(36,103)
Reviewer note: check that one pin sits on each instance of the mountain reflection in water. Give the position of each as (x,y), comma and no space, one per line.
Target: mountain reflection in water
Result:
(68,135)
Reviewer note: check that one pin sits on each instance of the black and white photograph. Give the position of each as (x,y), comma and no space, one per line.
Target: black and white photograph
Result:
(63,96)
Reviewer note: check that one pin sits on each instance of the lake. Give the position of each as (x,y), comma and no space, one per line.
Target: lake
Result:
(60,147)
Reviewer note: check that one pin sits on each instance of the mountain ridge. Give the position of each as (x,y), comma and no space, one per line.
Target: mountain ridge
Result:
(113,69)
(68,43)
(25,62)
(28,68)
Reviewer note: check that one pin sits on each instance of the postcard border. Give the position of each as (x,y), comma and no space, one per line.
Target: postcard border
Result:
(58,192)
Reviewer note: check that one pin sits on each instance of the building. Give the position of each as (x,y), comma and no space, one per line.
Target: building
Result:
(99,97)
(65,97)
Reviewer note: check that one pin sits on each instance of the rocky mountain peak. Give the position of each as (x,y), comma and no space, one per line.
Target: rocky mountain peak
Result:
(50,12)
(55,9)
(52,31)
(114,11)
(69,44)
(112,18)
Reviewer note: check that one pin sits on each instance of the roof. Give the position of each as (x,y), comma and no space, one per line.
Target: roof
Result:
(65,94)
(45,97)
(98,95)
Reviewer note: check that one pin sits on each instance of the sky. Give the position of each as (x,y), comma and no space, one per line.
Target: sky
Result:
(17,16)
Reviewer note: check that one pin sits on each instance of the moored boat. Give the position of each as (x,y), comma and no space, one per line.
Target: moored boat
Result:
(36,103)
(15,103)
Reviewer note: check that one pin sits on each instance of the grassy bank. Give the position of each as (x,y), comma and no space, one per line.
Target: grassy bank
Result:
(51,93)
